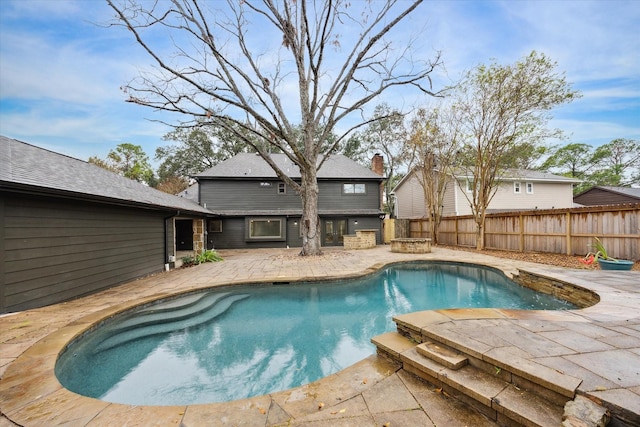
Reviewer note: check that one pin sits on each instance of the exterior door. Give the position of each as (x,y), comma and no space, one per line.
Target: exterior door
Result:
(334,229)
(184,235)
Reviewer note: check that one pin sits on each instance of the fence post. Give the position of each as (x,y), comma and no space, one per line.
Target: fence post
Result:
(521,243)
(456,232)
(569,247)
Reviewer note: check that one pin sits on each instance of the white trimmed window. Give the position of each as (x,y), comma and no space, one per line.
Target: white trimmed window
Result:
(517,188)
(469,186)
(282,188)
(529,187)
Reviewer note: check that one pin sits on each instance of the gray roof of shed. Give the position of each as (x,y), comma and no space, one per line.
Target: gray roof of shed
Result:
(24,166)
(627,191)
(252,166)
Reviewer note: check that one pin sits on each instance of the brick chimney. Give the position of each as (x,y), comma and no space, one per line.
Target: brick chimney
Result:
(377,164)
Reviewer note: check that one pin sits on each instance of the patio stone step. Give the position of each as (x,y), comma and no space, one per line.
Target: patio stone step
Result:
(442,354)
(492,394)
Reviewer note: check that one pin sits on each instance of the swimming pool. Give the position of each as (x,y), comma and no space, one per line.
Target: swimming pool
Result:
(235,342)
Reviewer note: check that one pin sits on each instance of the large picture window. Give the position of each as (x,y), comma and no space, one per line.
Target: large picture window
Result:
(353,188)
(270,228)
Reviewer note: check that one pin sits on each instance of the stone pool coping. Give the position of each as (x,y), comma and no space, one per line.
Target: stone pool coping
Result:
(31,341)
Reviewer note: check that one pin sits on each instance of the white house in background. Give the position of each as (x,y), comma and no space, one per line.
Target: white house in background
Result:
(517,190)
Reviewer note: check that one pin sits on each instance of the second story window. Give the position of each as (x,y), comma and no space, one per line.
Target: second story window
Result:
(529,187)
(516,188)
(282,188)
(470,184)
(353,188)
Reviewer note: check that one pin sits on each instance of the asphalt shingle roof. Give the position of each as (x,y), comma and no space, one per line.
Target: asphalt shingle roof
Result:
(627,191)
(252,166)
(24,165)
(531,175)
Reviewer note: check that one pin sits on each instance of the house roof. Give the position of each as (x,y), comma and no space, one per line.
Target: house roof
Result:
(626,191)
(24,167)
(510,175)
(191,192)
(529,175)
(252,166)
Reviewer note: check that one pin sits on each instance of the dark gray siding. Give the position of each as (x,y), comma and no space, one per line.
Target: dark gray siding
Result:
(57,249)
(293,233)
(228,195)
(246,195)
(234,236)
(367,223)
(332,198)
(231,237)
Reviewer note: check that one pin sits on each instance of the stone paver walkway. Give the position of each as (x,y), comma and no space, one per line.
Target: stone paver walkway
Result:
(603,349)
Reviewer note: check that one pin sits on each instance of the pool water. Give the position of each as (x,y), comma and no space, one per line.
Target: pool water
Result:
(242,341)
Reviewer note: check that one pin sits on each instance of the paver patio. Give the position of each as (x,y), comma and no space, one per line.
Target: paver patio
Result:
(599,346)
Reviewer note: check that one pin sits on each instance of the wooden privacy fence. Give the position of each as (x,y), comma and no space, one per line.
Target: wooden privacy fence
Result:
(564,231)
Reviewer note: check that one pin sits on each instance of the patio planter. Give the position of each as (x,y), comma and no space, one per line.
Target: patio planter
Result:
(622,264)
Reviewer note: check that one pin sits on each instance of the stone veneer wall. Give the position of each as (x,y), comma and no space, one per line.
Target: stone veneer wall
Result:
(577,295)
(198,236)
(363,239)
(411,245)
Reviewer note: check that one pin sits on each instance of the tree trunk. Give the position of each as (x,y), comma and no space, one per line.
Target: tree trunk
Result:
(480,233)
(311,241)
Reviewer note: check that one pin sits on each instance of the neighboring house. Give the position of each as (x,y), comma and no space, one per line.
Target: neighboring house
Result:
(601,195)
(70,228)
(517,190)
(258,210)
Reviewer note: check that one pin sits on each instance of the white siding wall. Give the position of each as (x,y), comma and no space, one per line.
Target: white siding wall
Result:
(545,196)
(451,199)
(410,199)
(463,206)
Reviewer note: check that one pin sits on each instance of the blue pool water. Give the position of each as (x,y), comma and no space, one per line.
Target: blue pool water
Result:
(237,342)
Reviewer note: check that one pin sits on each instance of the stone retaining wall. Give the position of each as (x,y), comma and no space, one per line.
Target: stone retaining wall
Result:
(577,295)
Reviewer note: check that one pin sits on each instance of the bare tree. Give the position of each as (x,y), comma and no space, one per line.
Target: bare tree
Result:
(503,109)
(225,70)
(433,141)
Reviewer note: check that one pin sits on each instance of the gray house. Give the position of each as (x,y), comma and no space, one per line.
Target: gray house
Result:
(69,228)
(255,209)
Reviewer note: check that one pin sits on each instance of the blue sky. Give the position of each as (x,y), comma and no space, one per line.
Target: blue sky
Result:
(61,69)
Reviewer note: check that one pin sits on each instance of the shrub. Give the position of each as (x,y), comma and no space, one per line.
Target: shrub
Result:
(208,256)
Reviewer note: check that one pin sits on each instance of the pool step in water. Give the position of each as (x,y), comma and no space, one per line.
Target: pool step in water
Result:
(491,393)
(177,318)
(169,312)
